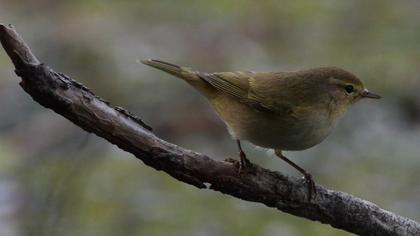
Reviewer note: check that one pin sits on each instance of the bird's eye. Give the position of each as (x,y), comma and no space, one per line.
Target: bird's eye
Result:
(349,88)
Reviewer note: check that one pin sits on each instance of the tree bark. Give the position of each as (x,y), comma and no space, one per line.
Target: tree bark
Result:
(78,104)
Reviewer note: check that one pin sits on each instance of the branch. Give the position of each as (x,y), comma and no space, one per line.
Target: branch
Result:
(81,106)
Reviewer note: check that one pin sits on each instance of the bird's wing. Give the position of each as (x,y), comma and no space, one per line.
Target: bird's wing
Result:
(247,88)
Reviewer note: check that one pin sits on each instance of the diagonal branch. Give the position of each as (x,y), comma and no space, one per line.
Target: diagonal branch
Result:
(81,106)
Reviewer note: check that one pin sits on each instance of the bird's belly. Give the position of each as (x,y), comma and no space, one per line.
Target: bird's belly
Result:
(286,138)
(271,131)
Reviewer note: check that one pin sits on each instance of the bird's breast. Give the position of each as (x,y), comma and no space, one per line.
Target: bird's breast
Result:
(276,131)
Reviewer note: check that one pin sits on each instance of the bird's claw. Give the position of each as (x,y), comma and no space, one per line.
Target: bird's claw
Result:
(310,183)
(244,164)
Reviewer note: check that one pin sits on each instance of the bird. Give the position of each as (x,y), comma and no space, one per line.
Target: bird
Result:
(283,111)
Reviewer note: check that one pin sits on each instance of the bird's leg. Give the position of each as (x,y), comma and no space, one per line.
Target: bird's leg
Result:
(244,162)
(306,175)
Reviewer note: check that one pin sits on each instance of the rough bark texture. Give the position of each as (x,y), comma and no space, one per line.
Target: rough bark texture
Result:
(78,104)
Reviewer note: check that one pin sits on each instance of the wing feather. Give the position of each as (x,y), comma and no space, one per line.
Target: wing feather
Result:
(238,85)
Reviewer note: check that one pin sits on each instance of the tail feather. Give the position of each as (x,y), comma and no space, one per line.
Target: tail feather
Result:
(185,73)
(178,71)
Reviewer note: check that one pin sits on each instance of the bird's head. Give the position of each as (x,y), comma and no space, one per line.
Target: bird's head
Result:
(345,88)
(335,89)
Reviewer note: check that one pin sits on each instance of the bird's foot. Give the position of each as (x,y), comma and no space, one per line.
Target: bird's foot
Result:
(244,165)
(310,183)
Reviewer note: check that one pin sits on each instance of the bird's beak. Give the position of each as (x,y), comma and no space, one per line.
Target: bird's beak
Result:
(367,94)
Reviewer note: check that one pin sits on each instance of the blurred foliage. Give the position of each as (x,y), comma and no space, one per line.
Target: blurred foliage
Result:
(57,180)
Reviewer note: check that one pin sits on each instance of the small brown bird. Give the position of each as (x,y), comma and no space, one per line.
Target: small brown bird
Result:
(277,110)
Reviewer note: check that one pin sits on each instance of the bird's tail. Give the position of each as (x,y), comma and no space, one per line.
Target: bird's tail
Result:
(178,71)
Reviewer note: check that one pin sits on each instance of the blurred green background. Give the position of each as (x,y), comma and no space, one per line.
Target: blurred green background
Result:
(56,179)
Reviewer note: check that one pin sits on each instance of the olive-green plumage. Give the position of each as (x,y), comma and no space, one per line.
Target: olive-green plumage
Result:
(278,110)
